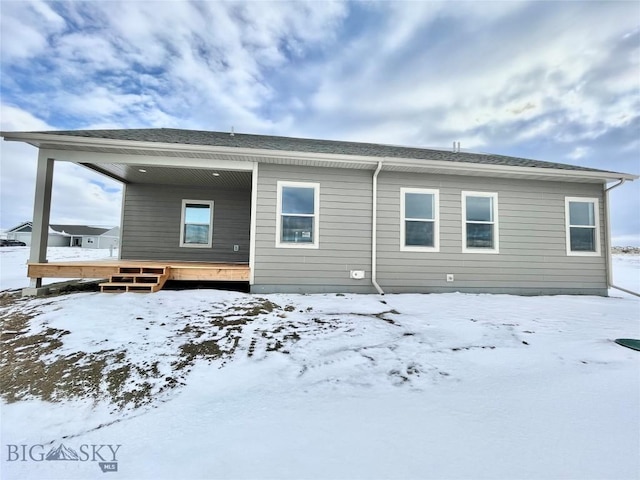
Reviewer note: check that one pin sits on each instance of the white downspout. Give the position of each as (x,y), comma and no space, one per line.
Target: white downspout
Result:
(374,232)
(608,240)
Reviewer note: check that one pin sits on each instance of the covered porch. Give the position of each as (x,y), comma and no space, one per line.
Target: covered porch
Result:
(160,185)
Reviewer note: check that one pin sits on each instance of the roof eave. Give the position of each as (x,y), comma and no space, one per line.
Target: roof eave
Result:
(516,171)
(36,139)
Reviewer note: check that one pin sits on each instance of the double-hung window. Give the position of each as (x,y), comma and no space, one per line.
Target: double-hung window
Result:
(196,223)
(582,226)
(480,233)
(419,229)
(297,218)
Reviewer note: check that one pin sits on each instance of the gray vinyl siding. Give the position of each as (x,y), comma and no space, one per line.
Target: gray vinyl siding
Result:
(532,257)
(151,223)
(344,240)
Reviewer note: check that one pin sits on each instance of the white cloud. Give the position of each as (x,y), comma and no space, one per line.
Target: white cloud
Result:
(89,52)
(578,152)
(201,63)
(15,119)
(24,28)
(521,65)
(17,183)
(76,197)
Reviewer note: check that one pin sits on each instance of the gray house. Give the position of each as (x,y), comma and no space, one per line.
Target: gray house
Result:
(22,233)
(79,235)
(69,235)
(326,216)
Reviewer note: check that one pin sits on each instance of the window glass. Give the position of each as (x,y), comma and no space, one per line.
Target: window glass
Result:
(419,222)
(196,229)
(196,234)
(196,213)
(479,209)
(479,235)
(582,226)
(297,219)
(297,229)
(480,226)
(583,239)
(419,234)
(418,205)
(581,213)
(298,200)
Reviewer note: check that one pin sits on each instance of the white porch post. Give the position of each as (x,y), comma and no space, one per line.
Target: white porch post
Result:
(41,213)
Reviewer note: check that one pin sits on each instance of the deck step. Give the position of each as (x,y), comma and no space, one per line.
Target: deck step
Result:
(144,270)
(133,278)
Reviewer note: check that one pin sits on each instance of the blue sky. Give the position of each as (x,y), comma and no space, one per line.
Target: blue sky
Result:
(556,81)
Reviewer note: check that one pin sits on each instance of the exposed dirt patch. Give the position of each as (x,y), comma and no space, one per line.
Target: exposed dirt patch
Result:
(208,349)
(31,368)
(35,362)
(32,364)
(626,250)
(474,347)
(9,298)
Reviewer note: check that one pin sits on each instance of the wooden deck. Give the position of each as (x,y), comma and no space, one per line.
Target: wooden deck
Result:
(181,271)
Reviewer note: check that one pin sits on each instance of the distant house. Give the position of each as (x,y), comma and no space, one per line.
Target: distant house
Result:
(110,238)
(69,235)
(309,215)
(80,235)
(22,233)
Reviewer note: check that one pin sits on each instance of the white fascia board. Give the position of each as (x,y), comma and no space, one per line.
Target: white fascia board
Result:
(489,170)
(76,156)
(257,154)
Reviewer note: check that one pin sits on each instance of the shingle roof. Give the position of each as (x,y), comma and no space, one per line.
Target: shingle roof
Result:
(19,227)
(267,142)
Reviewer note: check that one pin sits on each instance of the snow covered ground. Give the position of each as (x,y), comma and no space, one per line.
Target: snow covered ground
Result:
(329,386)
(13,263)
(626,272)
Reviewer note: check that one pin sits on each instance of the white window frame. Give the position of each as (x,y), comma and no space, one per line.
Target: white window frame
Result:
(182,224)
(316,215)
(495,223)
(436,220)
(596,227)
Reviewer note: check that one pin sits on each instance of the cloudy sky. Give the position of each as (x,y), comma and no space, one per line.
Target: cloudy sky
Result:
(557,81)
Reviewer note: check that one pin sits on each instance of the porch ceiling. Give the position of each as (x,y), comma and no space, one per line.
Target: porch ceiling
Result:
(160,175)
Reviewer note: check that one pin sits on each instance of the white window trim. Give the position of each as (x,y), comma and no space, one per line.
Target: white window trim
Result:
(496,226)
(436,220)
(596,218)
(210,239)
(316,215)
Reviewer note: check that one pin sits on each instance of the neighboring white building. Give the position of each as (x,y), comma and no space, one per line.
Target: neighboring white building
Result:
(70,235)
(109,239)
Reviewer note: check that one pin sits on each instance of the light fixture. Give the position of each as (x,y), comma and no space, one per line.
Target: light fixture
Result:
(142,170)
(215,174)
